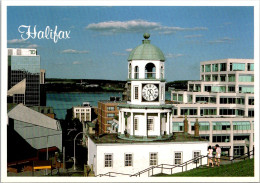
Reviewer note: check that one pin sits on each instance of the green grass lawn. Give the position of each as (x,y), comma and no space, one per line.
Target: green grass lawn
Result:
(240,169)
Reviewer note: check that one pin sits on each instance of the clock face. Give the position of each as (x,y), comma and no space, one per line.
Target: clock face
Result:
(150,92)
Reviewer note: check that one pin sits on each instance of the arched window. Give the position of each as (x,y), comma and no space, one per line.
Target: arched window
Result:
(136,72)
(162,72)
(150,71)
(130,71)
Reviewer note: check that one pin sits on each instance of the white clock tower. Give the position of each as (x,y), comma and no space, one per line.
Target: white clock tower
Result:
(145,116)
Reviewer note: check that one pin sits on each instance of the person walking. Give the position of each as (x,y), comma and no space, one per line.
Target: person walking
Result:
(218,154)
(210,156)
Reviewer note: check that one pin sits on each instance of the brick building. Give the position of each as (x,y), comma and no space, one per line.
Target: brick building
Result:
(107,111)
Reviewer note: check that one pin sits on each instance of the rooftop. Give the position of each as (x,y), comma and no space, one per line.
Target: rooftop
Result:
(25,114)
(113,138)
(146,51)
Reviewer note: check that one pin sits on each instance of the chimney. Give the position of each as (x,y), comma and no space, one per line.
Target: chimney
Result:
(197,128)
(186,125)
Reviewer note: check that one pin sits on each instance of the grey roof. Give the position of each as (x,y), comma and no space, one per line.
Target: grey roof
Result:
(25,114)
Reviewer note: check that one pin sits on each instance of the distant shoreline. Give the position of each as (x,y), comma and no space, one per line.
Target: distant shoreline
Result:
(47,92)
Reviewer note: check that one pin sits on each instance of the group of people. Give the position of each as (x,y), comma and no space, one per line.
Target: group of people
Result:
(217,156)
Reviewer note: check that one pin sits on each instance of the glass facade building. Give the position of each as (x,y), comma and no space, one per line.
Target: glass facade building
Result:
(25,67)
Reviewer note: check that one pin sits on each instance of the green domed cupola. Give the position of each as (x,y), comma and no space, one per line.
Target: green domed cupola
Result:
(146,51)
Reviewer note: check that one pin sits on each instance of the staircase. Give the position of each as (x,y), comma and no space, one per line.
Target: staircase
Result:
(188,165)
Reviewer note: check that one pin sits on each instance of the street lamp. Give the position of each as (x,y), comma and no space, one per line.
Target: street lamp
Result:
(75,151)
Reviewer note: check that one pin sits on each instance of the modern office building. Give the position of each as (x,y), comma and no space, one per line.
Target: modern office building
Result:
(144,137)
(223,102)
(107,111)
(24,64)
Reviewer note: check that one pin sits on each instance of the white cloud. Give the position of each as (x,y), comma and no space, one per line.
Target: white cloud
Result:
(119,54)
(193,36)
(136,26)
(32,46)
(172,30)
(221,40)
(76,63)
(17,41)
(128,49)
(71,51)
(170,55)
(126,26)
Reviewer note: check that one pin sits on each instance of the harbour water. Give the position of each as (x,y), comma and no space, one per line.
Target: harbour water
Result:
(63,101)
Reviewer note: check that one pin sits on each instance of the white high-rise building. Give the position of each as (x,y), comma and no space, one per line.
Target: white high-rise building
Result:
(223,102)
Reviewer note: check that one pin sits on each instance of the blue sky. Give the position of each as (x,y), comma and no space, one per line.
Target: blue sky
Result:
(101,38)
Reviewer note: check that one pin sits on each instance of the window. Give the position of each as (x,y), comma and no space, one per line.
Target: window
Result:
(237,67)
(202,77)
(110,121)
(136,92)
(195,154)
(190,98)
(175,112)
(136,74)
(208,111)
(215,77)
(191,87)
(177,158)
(250,101)
(214,67)
(231,78)
(205,137)
(241,137)
(207,77)
(110,115)
(188,111)
(207,88)
(221,138)
(177,126)
(223,78)
(202,68)
(246,89)
(130,71)
(136,123)
(108,160)
(221,125)
(207,68)
(238,150)
(218,89)
(246,78)
(150,123)
(180,97)
(231,89)
(150,71)
(203,126)
(128,160)
(223,66)
(197,87)
(251,113)
(250,67)
(174,96)
(153,159)
(109,108)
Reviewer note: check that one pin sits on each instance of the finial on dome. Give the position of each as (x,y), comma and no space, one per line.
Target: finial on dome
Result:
(146,35)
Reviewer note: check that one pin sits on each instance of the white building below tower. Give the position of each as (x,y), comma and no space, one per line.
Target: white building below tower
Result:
(145,137)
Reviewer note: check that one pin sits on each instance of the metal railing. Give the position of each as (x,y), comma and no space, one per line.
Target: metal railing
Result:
(197,160)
